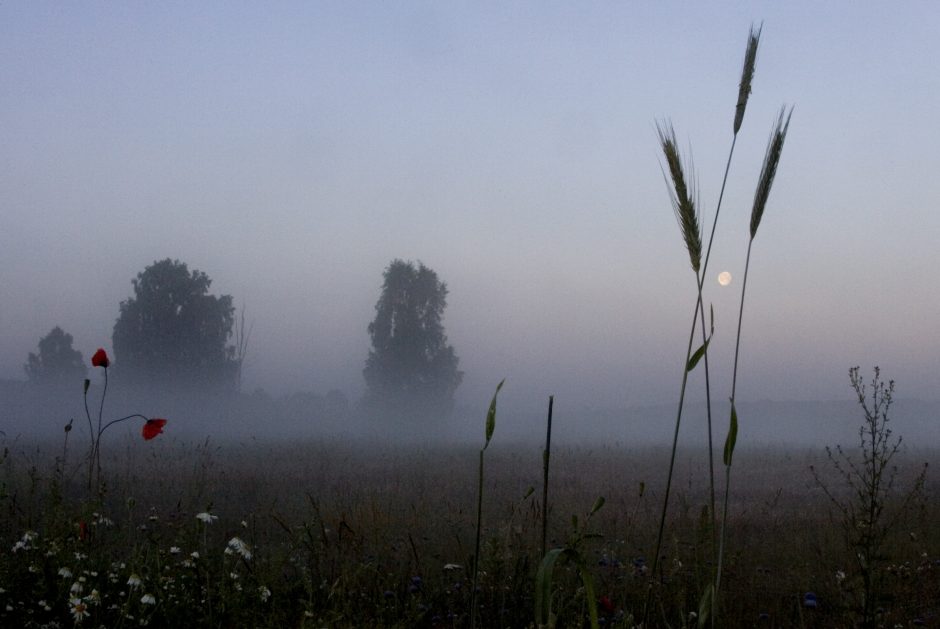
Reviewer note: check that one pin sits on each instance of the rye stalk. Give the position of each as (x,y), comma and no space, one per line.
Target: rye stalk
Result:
(764,184)
(685,213)
(682,196)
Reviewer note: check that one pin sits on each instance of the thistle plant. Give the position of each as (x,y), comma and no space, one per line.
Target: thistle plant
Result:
(151,428)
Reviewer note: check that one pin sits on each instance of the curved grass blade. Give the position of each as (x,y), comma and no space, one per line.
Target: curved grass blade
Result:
(543,588)
(705,605)
(732,436)
(588,582)
(697,356)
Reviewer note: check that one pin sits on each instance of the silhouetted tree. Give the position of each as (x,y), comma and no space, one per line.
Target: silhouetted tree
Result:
(410,368)
(57,362)
(173,330)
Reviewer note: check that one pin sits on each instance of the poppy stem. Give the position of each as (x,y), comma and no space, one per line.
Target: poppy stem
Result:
(115,421)
(97,448)
(94,441)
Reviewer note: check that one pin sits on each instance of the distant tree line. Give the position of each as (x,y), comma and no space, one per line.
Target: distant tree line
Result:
(173,333)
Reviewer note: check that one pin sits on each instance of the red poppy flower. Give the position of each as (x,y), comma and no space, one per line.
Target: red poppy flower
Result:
(100,359)
(607,605)
(152,428)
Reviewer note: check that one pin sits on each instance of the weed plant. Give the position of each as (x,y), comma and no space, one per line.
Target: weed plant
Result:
(869,513)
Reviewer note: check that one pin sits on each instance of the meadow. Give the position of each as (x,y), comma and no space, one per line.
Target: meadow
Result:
(337,533)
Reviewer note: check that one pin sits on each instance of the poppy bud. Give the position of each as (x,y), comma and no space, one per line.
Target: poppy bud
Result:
(87,384)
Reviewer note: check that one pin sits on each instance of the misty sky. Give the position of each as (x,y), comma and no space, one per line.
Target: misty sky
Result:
(292,150)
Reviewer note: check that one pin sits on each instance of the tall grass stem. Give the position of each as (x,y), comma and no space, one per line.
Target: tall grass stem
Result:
(546,458)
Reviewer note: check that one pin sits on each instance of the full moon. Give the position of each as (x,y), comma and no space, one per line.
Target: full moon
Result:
(724,278)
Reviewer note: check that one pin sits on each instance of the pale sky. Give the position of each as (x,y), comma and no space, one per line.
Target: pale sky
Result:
(292,150)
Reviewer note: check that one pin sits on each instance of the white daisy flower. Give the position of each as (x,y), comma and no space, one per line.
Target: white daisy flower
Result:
(78,608)
(238,546)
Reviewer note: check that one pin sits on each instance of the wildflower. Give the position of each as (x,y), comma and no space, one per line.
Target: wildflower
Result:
(79,609)
(82,531)
(194,554)
(94,597)
(152,428)
(100,359)
(133,580)
(174,550)
(148,599)
(76,588)
(25,542)
(238,546)
(452,566)
(809,600)
(840,576)
(65,573)
(264,593)
(206,517)
(606,604)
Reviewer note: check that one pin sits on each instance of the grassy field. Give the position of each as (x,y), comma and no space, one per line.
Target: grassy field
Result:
(337,534)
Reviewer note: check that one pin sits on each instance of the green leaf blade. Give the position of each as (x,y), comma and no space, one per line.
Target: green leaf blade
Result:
(732,438)
(543,587)
(697,356)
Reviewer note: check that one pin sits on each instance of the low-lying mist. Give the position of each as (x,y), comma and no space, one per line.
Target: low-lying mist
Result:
(39,413)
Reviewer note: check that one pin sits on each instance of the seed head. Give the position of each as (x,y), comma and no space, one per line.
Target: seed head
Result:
(771,159)
(682,195)
(747,74)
